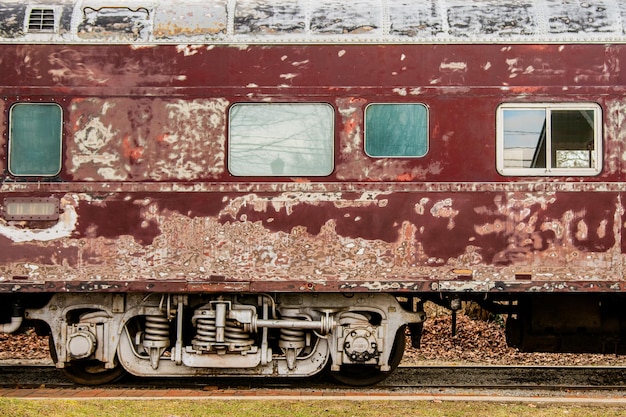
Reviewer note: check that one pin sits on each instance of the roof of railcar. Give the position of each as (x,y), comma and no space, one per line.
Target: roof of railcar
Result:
(312,21)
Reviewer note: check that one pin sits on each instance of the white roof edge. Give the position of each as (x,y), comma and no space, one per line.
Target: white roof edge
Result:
(153,22)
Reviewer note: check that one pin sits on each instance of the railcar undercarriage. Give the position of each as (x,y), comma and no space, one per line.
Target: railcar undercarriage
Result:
(95,338)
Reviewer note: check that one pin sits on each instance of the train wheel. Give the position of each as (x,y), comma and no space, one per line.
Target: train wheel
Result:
(92,373)
(88,372)
(363,375)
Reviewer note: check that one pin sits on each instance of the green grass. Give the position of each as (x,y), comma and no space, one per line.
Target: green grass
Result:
(287,408)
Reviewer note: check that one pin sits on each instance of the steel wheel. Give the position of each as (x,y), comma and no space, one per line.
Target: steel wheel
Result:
(87,372)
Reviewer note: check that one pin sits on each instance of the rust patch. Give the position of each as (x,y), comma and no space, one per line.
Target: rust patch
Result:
(119,23)
(328,238)
(37,261)
(548,231)
(173,21)
(277,16)
(146,139)
(375,224)
(356,17)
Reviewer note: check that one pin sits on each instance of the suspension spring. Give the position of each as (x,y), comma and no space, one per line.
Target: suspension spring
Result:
(294,338)
(235,338)
(205,330)
(292,341)
(157,332)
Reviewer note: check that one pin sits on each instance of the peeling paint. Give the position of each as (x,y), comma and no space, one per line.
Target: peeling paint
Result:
(145,133)
(260,21)
(269,18)
(63,228)
(189,50)
(115,22)
(253,237)
(194,20)
(444,209)
(453,66)
(138,139)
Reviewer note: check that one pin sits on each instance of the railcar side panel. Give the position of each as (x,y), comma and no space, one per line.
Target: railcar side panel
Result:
(225,198)
(411,229)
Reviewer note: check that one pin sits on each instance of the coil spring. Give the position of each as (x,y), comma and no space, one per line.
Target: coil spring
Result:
(292,338)
(205,330)
(292,335)
(157,329)
(234,336)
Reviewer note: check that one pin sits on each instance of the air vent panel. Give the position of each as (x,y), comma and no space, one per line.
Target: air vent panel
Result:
(41,20)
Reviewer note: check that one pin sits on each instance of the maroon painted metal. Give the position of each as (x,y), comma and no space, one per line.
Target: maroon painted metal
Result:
(148,204)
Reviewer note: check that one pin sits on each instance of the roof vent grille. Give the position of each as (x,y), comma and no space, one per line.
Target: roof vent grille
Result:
(41,20)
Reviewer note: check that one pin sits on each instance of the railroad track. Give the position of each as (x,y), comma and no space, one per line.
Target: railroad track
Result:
(511,377)
(404,380)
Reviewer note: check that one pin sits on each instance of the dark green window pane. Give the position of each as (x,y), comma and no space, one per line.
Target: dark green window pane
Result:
(35,139)
(396,130)
(573,138)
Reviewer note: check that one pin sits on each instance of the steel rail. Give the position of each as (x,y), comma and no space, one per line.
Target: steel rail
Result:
(404,379)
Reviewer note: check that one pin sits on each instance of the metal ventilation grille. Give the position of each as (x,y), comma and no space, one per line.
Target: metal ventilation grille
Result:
(41,20)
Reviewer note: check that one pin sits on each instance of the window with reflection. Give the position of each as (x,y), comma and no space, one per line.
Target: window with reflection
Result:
(396,130)
(281,139)
(549,139)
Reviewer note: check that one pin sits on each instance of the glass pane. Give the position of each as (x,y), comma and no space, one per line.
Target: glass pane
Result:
(35,140)
(573,138)
(524,138)
(281,139)
(396,130)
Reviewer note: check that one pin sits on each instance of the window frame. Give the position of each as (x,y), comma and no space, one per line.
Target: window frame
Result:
(332,142)
(424,106)
(596,154)
(10,150)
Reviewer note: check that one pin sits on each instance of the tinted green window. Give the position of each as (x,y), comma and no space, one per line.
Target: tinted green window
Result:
(396,130)
(281,139)
(35,139)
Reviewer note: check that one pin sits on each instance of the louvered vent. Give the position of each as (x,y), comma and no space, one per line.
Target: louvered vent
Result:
(41,20)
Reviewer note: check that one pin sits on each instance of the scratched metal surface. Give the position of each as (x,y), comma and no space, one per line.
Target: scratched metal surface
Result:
(148,203)
(270,21)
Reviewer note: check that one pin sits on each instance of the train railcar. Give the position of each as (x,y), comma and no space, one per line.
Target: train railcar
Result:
(275,187)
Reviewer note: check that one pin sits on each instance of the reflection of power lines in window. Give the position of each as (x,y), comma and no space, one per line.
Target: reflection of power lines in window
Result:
(520,132)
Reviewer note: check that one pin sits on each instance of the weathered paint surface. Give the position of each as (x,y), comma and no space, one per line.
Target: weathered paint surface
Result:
(123,23)
(323,237)
(193,20)
(147,202)
(301,21)
(146,139)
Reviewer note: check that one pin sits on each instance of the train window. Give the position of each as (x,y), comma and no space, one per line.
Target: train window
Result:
(396,130)
(35,139)
(281,139)
(549,139)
